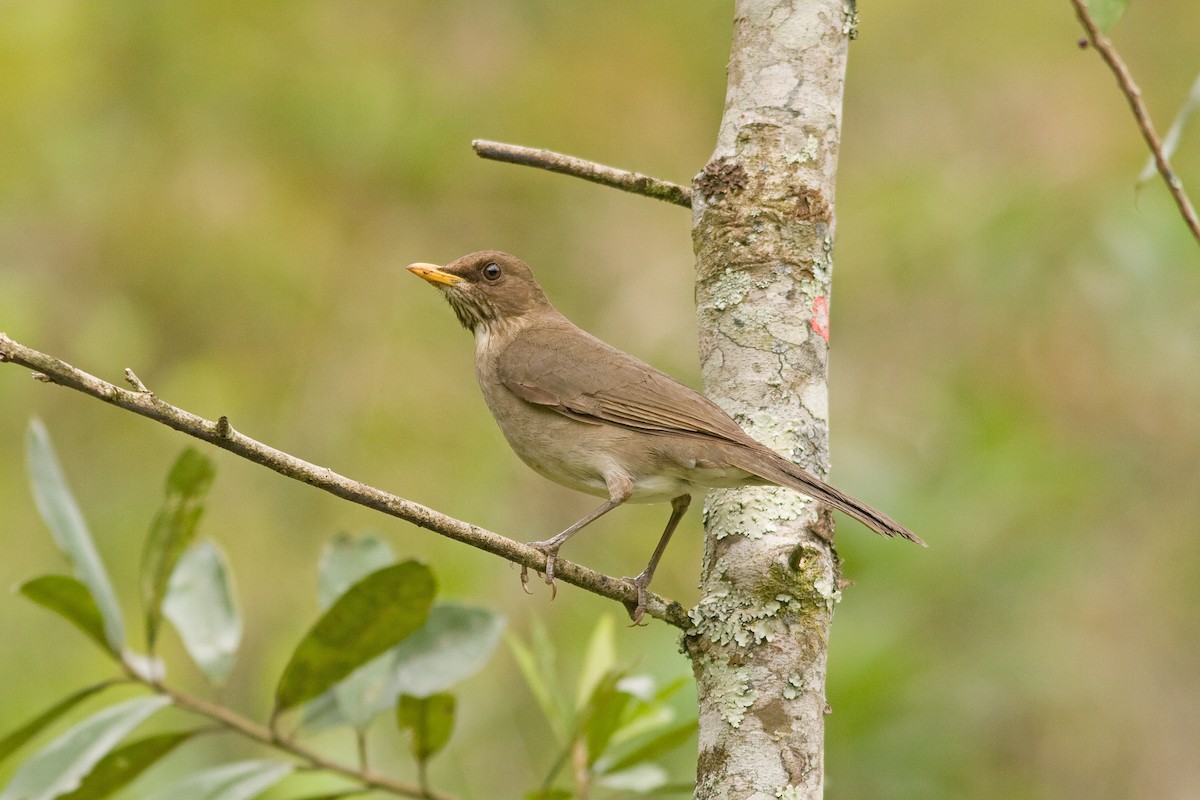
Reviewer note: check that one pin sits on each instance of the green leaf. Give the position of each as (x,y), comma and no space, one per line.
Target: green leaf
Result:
(10,743)
(172,531)
(652,712)
(600,659)
(641,779)
(453,644)
(602,715)
(1106,13)
(200,605)
(191,475)
(363,694)
(431,720)
(655,747)
(241,780)
(373,615)
(539,675)
(546,658)
(60,766)
(672,687)
(1170,142)
(72,601)
(58,508)
(595,722)
(346,560)
(123,765)
(321,714)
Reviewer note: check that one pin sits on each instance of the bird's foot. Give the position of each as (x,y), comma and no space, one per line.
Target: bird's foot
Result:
(638,610)
(551,557)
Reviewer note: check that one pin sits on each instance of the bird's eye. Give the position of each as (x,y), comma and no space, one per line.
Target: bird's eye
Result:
(491,271)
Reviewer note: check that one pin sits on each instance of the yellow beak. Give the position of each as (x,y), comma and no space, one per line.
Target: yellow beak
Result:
(434,274)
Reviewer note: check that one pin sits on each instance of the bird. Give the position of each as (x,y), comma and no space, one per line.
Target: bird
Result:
(595,419)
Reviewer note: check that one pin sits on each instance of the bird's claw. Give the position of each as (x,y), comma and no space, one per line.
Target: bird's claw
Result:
(551,558)
(638,611)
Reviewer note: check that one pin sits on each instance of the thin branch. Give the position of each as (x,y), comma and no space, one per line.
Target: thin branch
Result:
(423,775)
(1134,96)
(588,170)
(360,740)
(230,720)
(222,434)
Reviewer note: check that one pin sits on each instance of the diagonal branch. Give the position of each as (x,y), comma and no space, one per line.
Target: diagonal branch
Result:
(222,434)
(1133,95)
(624,180)
(230,720)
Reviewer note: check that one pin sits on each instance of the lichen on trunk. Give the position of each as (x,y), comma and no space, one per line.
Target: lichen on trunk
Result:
(763,234)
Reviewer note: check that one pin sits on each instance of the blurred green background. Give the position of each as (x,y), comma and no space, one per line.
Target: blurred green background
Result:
(222,196)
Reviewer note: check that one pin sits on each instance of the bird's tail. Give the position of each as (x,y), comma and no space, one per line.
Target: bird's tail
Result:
(782,472)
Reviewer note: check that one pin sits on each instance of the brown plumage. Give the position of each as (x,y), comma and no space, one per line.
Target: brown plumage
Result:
(596,419)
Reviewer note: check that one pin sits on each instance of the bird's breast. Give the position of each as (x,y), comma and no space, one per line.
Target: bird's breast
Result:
(564,450)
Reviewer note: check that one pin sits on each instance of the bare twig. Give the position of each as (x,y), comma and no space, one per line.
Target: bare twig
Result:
(232,721)
(133,380)
(588,170)
(1134,96)
(222,434)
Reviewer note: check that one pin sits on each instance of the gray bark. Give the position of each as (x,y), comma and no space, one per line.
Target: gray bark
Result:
(763,234)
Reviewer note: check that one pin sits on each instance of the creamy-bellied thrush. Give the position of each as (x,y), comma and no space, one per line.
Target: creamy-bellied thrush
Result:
(590,417)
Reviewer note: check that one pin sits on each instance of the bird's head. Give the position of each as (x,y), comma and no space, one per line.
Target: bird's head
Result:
(486,289)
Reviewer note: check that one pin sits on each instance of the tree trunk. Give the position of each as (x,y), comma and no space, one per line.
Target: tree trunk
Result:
(763,233)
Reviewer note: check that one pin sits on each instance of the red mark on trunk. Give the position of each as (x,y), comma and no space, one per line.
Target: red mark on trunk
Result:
(820,317)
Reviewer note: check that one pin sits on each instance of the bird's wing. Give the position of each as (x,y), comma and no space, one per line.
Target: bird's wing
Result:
(574,373)
(570,371)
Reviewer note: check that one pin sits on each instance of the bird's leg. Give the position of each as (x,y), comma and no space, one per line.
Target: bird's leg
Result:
(620,487)
(550,546)
(679,507)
